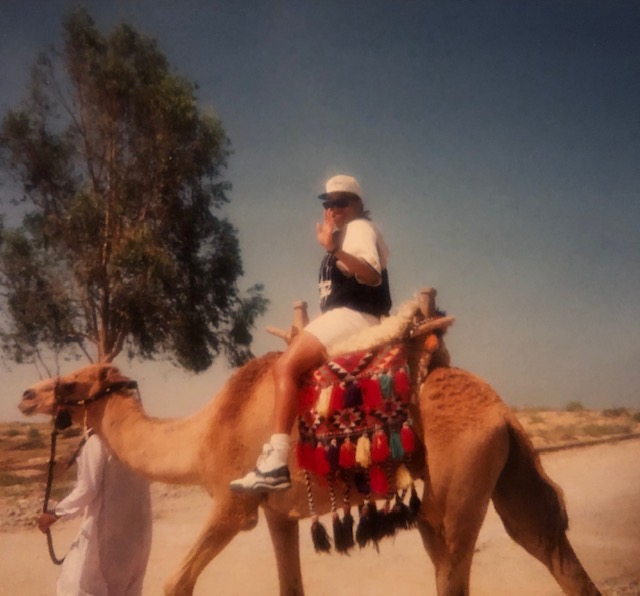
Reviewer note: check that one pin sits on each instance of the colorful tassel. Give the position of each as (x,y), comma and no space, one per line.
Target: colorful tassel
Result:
(371,394)
(431,343)
(397,451)
(386,385)
(333,455)
(337,398)
(305,455)
(307,397)
(403,478)
(401,384)
(321,464)
(408,438)
(380,447)
(379,482)
(324,399)
(347,457)
(363,451)
(352,396)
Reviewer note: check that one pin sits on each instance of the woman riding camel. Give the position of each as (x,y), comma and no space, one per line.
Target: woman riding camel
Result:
(354,294)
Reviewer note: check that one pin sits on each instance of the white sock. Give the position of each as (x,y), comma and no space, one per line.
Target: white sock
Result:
(280,442)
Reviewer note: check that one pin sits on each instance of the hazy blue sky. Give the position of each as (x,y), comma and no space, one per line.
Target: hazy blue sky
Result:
(497,144)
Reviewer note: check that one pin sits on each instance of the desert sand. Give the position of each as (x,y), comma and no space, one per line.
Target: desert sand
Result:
(602,490)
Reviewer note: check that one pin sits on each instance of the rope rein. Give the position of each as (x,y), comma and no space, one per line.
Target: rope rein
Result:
(62,421)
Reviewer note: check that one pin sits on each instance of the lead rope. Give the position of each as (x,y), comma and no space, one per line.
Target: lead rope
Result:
(47,490)
(47,494)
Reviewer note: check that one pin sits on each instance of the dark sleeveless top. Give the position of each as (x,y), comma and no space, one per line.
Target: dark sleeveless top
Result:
(346,291)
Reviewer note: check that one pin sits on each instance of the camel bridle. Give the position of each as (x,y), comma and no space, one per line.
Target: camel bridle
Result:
(62,421)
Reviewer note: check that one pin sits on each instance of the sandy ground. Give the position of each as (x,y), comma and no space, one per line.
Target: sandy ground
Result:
(602,490)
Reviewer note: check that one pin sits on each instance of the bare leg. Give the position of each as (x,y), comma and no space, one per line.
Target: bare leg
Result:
(304,352)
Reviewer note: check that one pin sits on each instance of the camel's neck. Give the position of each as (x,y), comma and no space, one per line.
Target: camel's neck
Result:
(163,450)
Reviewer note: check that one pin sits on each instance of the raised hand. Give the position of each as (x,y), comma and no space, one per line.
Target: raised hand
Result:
(324,231)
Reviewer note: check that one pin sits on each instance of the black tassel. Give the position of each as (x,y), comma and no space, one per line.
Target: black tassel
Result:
(361,480)
(414,504)
(367,530)
(321,541)
(338,534)
(402,516)
(347,527)
(386,523)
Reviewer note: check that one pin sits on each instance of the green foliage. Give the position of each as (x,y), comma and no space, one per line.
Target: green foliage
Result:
(123,245)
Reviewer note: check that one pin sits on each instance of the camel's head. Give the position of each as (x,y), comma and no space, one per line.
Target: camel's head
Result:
(64,392)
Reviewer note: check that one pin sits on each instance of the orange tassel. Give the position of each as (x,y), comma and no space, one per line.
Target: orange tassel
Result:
(431,343)
(371,394)
(379,483)
(407,438)
(347,457)
(380,450)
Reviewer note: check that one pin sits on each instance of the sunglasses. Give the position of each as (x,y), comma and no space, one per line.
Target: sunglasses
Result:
(340,203)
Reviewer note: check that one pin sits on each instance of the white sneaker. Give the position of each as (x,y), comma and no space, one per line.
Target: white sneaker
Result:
(268,475)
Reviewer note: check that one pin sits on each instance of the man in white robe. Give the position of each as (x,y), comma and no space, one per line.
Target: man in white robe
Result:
(109,556)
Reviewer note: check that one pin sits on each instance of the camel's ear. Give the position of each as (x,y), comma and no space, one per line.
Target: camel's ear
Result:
(111,374)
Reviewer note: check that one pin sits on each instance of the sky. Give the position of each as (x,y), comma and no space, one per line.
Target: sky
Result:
(497,144)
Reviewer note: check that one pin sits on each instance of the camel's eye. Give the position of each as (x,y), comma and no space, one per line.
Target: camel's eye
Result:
(66,389)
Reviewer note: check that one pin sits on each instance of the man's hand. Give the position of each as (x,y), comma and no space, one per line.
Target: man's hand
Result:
(46,520)
(325,231)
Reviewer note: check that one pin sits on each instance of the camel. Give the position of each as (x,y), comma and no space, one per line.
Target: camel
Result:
(473,451)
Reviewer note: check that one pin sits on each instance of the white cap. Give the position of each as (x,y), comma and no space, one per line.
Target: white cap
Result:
(342,183)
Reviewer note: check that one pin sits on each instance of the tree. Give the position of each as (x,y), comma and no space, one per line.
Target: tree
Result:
(122,245)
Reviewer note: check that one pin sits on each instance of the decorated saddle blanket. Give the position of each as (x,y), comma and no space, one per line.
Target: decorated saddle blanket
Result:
(353,412)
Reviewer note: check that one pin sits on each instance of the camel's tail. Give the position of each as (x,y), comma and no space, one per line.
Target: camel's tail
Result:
(533,512)
(528,502)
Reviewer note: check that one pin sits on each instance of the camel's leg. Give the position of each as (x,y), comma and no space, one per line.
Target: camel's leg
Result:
(286,545)
(533,513)
(458,487)
(226,519)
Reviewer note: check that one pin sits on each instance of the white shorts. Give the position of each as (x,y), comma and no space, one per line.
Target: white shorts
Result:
(337,324)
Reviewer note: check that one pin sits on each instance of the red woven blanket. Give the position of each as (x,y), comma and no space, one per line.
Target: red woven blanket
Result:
(353,411)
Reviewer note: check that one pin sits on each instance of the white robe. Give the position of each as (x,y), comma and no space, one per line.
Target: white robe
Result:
(109,556)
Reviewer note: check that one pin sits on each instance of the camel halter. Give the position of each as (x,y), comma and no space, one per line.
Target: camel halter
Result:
(62,421)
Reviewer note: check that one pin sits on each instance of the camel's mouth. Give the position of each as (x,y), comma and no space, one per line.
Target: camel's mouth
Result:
(27,405)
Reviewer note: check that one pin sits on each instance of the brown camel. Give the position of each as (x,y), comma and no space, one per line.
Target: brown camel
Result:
(476,451)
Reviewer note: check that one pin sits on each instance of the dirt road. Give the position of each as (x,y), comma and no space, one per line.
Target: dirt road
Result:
(602,490)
